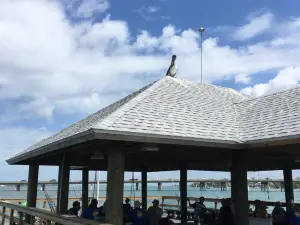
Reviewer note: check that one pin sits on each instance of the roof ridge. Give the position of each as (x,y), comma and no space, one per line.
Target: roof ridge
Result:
(114,116)
(267,95)
(214,86)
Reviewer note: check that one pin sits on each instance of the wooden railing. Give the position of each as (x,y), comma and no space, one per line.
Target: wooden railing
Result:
(216,202)
(15,214)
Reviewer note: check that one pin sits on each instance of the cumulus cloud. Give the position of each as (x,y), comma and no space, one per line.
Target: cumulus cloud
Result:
(55,66)
(242,78)
(85,8)
(256,25)
(285,79)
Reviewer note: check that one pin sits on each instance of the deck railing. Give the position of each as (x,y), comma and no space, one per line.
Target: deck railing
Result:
(216,202)
(15,214)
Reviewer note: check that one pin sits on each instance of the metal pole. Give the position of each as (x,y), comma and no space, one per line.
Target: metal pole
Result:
(201,30)
(201,54)
(98,185)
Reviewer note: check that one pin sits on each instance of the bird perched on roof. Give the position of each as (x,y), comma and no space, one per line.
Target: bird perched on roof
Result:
(173,68)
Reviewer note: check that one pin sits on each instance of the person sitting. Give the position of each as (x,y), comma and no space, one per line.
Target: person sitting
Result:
(278,214)
(154,213)
(137,216)
(225,214)
(92,211)
(261,211)
(75,209)
(199,209)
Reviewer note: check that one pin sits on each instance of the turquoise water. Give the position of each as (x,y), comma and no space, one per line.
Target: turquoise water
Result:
(167,190)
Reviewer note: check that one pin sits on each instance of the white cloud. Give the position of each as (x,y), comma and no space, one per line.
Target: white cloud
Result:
(285,79)
(85,8)
(86,65)
(148,12)
(256,26)
(242,78)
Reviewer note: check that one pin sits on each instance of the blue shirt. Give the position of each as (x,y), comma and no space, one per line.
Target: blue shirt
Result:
(138,217)
(91,213)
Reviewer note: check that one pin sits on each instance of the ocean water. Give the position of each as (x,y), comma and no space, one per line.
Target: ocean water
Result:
(167,190)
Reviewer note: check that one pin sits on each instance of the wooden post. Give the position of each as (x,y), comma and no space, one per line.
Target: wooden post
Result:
(58,189)
(159,184)
(240,189)
(115,187)
(3,215)
(33,177)
(21,218)
(85,188)
(11,217)
(64,187)
(183,194)
(144,189)
(288,184)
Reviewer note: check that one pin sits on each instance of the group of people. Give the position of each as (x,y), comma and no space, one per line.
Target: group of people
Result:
(136,215)
(291,216)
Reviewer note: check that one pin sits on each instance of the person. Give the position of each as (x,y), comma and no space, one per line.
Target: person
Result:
(126,209)
(261,211)
(75,209)
(154,213)
(92,211)
(278,214)
(225,214)
(293,213)
(199,209)
(137,216)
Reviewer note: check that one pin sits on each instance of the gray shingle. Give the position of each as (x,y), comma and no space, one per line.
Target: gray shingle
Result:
(179,108)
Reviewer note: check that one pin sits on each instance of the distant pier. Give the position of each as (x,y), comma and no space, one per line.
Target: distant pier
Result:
(203,184)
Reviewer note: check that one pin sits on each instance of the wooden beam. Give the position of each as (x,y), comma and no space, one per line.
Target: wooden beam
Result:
(33,177)
(288,184)
(183,193)
(64,186)
(240,191)
(85,188)
(144,189)
(115,187)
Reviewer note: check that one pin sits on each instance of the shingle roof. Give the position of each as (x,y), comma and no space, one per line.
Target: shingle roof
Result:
(274,116)
(180,108)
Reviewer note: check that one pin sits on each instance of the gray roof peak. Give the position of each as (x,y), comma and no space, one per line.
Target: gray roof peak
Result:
(181,109)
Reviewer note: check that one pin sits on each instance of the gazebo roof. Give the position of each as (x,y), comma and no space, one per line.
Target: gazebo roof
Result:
(185,112)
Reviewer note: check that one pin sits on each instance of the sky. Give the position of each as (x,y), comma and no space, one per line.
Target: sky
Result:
(62,60)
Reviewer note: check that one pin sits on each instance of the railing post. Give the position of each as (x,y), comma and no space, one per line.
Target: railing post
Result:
(11,217)
(3,215)
(21,218)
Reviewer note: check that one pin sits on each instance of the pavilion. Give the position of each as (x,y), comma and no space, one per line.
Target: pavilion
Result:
(174,124)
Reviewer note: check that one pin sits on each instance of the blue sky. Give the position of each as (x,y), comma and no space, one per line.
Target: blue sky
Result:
(62,60)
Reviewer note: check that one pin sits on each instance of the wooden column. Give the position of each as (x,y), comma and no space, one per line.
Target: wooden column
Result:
(115,187)
(33,177)
(58,188)
(63,191)
(183,194)
(85,189)
(288,184)
(240,189)
(144,189)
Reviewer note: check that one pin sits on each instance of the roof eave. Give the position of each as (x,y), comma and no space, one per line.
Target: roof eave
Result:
(282,140)
(165,139)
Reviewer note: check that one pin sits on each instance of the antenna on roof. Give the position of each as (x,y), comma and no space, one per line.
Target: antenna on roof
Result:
(173,67)
(201,30)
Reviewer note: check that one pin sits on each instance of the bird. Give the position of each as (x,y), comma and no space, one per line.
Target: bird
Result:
(173,68)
